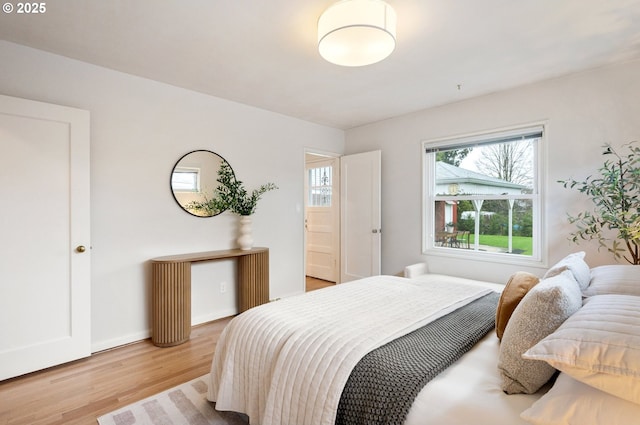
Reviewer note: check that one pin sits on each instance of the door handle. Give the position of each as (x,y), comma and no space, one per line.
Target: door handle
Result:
(81,249)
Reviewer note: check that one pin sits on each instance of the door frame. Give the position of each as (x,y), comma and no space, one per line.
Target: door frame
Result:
(311,151)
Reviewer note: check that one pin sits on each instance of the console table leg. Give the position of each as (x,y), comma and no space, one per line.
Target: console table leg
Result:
(253,280)
(171,303)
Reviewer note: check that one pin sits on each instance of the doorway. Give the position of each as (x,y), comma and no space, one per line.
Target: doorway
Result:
(342,206)
(322,220)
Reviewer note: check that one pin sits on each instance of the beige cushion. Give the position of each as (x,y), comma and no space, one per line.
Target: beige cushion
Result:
(572,402)
(614,279)
(576,265)
(516,288)
(599,345)
(541,311)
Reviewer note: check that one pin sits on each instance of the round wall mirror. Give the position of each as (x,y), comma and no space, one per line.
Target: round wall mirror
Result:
(194,181)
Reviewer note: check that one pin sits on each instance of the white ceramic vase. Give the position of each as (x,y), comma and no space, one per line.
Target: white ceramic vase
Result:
(245,241)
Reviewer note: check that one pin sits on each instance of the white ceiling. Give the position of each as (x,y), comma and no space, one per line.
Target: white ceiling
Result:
(263,52)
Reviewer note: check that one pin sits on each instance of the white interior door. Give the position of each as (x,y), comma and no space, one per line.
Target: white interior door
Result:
(322,215)
(44,274)
(360,218)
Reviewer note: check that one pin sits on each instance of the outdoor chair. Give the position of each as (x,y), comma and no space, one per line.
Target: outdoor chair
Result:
(462,239)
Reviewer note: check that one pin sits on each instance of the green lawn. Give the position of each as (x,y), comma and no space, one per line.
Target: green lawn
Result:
(520,244)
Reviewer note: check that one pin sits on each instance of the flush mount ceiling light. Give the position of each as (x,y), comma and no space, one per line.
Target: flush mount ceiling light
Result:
(357,32)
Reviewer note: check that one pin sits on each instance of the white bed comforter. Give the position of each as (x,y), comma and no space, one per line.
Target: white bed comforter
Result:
(287,362)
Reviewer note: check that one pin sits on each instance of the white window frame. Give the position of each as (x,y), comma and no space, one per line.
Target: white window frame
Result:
(195,188)
(539,254)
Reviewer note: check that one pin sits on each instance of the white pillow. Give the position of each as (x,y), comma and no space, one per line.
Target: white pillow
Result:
(545,307)
(574,263)
(599,345)
(614,279)
(572,402)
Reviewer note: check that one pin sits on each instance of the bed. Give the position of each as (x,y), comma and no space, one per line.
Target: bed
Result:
(288,362)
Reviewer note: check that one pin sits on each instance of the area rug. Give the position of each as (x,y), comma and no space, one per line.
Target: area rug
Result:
(185,404)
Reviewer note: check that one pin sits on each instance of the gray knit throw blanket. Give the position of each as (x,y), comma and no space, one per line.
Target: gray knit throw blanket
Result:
(384,384)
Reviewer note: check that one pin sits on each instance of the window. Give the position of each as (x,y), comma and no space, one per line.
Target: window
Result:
(185,179)
(482,195)
(320,184)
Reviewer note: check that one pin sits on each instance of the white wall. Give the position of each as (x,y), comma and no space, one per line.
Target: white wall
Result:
(139,129)
(582,111)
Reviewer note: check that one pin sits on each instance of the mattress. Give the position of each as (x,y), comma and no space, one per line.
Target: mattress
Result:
(467,392)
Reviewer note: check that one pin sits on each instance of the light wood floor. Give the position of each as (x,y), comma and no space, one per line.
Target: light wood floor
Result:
(313,283)
(78,392)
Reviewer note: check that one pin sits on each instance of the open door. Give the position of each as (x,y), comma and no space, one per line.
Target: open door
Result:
(360,215)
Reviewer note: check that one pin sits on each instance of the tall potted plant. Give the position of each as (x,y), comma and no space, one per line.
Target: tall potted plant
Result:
(614,221)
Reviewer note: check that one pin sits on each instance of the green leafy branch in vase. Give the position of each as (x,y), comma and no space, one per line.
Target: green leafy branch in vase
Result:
(231,194)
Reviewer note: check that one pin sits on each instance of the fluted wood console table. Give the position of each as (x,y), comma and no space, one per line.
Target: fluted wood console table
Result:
(172,289)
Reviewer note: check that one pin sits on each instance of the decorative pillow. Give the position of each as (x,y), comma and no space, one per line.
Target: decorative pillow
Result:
(614,279)
(541,311)
(574,263)
(572,402)
(516,288)
(599,345)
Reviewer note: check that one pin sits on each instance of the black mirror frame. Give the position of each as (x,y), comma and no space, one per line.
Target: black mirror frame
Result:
(173,192)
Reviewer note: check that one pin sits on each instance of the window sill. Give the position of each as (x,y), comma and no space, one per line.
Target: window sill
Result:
(487,257)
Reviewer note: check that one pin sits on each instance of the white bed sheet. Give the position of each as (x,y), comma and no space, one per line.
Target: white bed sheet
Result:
(286,362)
(468,392)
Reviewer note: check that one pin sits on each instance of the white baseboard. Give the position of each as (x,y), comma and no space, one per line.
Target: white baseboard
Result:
(209,317)
(117,342)
(290,294)
(136,337)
